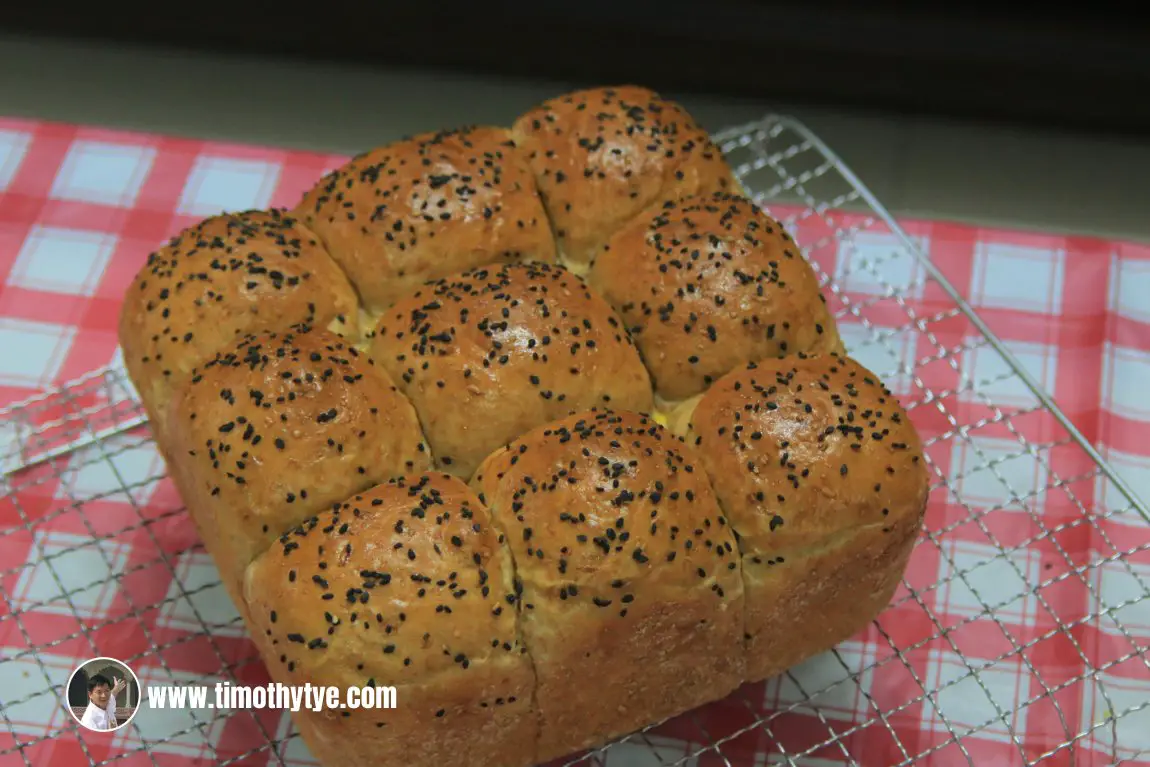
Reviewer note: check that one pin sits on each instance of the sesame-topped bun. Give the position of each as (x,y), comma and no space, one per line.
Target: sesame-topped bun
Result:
(602,155)
(820,473)
(629,574)
(229,274)
(707,285)
(426,207)
(489,353)
(277,427)
(406,585)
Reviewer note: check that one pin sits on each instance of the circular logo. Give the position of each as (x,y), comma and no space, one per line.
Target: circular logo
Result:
(103,694)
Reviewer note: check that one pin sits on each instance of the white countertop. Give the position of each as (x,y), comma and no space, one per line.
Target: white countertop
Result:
(985,174)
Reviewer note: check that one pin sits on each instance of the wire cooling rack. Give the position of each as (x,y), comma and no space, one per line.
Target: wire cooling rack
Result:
(1001,647)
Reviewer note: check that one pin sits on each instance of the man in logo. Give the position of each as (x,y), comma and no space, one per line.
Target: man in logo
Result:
(101,711)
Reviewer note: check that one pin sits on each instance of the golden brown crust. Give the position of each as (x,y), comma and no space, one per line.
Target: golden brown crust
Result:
(229,274)
(804,603)
(599,573)
(708,284)
(277,427)
(407,585)
(820,472)
(426,207)
(487,354)
(629,574)
(602,155)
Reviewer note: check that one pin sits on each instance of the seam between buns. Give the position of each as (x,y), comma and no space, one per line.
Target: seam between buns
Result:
(299,214)
(368,484)
(520,141)
(433,462)
(738,547)
(519,617)
(327,253)
(264,549)
(561,256)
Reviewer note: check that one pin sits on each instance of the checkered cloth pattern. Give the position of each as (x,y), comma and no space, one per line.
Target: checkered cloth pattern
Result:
(1019,635)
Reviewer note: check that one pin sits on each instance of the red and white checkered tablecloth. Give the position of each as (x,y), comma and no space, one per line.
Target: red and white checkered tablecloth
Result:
(1023,623)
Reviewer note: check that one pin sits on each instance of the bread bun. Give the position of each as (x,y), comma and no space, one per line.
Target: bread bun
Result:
(820,472)
(229,274)
(489,353)
(279,426)
(629,575)
(426,207)
(602,155)
(405,585)
(708,284)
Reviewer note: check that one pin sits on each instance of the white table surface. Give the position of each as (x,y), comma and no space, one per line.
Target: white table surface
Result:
(991,175)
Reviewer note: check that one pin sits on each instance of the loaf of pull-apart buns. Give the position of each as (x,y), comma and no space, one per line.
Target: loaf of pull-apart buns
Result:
(546,427)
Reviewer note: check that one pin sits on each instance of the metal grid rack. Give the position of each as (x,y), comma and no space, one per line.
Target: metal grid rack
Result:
(85,441)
